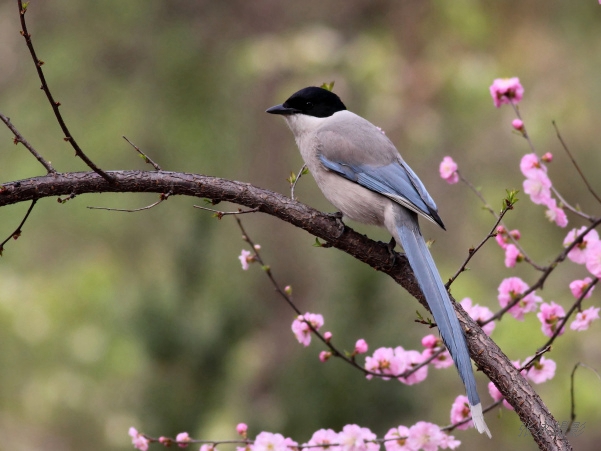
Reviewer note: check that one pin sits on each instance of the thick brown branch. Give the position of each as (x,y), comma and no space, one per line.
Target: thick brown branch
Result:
(487,355)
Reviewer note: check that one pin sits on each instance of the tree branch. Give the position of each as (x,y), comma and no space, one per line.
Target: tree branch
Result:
(488,356)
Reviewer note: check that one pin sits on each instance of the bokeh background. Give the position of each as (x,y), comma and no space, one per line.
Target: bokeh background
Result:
(110,320)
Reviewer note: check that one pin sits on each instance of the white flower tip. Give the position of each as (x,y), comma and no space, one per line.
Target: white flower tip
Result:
(478,419)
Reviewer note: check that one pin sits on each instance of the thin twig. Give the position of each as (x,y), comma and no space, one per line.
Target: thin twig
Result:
(54,104)
(221,214)
(20,139)
(146,157)
(473,251)
(487,206)
(17,233)
(526,136)
(298,176)
(537,355)
(572,396)
(450,427)
(162,197)
(523,130)
(567,150)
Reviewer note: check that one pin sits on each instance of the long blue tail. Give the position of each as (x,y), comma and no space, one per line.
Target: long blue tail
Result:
(444,314)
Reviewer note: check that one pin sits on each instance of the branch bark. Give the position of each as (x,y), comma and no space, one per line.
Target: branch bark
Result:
(488,356)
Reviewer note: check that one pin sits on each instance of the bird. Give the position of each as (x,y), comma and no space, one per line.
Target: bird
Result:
(361,172)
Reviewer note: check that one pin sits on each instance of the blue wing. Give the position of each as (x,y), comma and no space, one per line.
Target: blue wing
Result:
(395,180)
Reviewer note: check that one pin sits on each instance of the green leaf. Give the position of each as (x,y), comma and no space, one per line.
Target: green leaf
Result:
(329,86)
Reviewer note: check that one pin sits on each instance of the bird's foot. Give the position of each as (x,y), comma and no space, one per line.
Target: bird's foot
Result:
(338,217)
(391,245)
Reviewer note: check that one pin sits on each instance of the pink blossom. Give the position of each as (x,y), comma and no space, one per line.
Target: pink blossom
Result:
(431,341)
(325,437)
(479,313)
(183,438)
(241,429)
(385,361)
(547,158)
(497,395)
(578,287)
(578,252)
(425,436)
(208,447)
(542,370)
(401,434)
(530,164)
(267,441)
(324,356)
(556,214)
(506,90)
(461,411)
(448,441)
(327,336)
(512,255)
(585,318)
(501,237)
(538,187)
(443,360)
(593,258)
(448,170)
(245,258)
(433,345)
(356,438)
(138,440)
(413,359)
(361,346)
(550,316)
(512,288)
(518,124)
(301,329)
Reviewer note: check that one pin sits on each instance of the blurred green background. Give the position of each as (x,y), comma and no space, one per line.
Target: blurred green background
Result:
(110,320)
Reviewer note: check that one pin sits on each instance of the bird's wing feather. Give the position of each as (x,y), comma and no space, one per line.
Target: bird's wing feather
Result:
(375,164)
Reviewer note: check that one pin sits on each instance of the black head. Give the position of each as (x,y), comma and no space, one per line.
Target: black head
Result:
(312,101)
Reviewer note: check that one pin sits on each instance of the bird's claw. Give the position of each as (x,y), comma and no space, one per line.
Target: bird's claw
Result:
(338,217)
(391,245)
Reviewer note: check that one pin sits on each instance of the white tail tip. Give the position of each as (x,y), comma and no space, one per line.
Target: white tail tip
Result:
(478,419)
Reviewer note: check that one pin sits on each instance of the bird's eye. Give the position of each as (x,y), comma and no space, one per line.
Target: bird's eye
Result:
(309,105)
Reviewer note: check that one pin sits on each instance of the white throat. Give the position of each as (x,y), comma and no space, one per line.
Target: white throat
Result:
(301,124)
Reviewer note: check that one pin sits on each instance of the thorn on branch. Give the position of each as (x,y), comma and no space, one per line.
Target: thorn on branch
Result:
(220,214)
(66,199)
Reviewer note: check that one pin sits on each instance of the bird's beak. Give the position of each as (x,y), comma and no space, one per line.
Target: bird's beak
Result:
(281,109)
